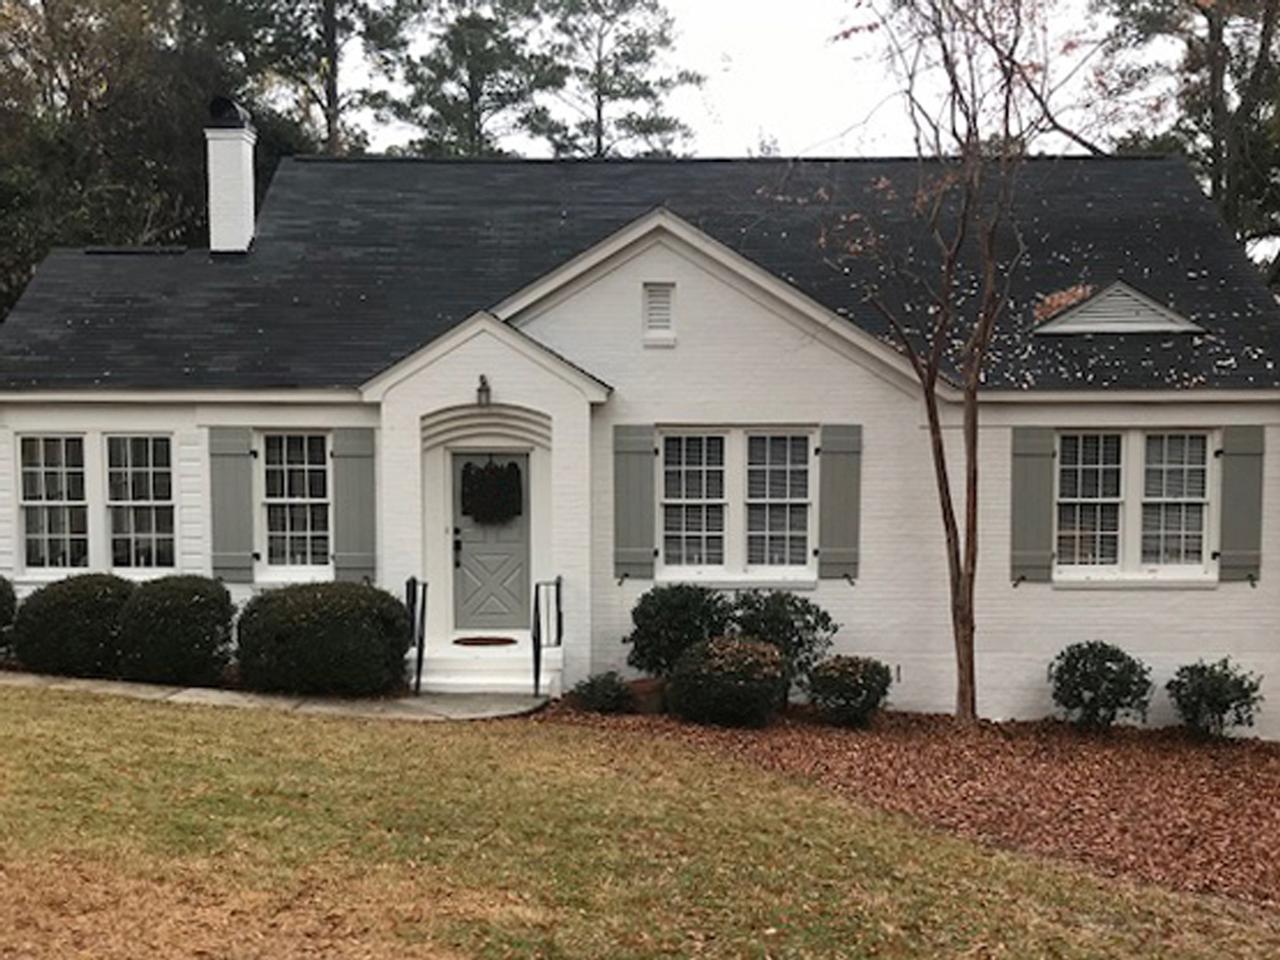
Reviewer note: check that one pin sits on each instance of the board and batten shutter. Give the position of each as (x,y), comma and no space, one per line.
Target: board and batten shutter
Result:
(633,501)
(1240,553)
(231,502)
(355,515)
(1031,505)
(839,500)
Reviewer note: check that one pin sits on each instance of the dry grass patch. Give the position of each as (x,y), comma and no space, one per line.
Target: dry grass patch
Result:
(140,829)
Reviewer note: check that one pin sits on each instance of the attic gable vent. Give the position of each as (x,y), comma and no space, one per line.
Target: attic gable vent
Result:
(659,313)
(1117,309)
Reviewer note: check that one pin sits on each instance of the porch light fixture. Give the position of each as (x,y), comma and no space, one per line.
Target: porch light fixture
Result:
(482,391)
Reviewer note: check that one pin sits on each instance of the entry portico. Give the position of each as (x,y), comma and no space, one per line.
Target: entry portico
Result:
(534,410)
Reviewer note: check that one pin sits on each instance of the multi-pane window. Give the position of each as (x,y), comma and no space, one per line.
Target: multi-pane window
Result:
(778,500)
(1174,497)
(1090,496)
(1134,503)
(54,509)
(693,500)
(140,501)
(297,499)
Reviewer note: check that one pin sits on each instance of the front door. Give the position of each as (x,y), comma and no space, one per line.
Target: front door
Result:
(490,541)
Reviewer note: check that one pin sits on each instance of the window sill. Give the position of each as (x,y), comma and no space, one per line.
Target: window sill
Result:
(143,573)
(725,580)
(1137,583)
(282,577)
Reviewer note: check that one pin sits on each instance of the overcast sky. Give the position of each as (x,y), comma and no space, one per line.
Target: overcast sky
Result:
(772,70)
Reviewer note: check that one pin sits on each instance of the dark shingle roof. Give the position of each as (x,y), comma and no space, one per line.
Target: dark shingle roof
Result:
(359,262)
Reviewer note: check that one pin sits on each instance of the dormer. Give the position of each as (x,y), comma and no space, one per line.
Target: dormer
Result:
(1118,308)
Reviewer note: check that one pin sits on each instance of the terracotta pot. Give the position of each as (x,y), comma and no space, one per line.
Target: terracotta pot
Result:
(649,694)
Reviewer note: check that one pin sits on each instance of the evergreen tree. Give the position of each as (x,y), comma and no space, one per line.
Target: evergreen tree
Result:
(614,100)
(478,81)
(304,43)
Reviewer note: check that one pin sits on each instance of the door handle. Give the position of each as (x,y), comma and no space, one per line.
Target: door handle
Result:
(457,548)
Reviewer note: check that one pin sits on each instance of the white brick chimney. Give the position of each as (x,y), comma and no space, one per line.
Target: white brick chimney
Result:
(229,136)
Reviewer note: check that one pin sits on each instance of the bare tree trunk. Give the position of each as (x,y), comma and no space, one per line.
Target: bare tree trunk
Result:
(332,103)
(965,617)
(598,81)
(959,579)
(1217,101)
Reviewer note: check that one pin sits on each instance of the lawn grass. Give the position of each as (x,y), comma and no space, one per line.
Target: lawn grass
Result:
(137,829)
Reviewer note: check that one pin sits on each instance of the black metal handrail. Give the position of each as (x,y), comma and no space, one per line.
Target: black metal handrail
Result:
(555,587)
(415,600)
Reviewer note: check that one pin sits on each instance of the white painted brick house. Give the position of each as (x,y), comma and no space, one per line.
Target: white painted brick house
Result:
(689,389)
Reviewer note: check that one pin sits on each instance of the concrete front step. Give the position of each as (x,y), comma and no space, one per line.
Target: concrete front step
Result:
(489,674)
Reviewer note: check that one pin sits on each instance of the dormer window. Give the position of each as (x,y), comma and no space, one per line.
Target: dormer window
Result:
(659,314)
(1118,308)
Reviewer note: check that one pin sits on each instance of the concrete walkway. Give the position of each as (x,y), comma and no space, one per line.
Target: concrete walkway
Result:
(428,706)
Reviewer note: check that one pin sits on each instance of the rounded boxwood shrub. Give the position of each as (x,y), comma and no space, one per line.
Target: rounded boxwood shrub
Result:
(8,602)
(849,690)
(1096,683)
(176,630)
(671,619)
(728,680)
(72,627)
(1213,697)
(801,629)
(343,638)
(603,693)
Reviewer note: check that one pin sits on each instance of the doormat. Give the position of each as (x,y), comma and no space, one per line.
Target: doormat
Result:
(484,642)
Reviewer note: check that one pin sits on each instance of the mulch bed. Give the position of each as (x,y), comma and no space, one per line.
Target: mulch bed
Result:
(1152,805)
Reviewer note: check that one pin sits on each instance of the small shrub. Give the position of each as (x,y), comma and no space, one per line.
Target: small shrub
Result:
(801,629)
(1213,697)
(728,680)
(72,627)
(8,603)
(343,638)
(671,619)
(849,690)
(603,693)
(1096,683)
(176,630)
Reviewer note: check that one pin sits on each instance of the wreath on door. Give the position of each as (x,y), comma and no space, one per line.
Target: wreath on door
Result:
(492,493)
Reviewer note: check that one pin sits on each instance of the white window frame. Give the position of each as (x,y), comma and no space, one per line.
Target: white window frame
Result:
(47,572)
(685,570)
(264,570)
(735,571)
(1130,568)
(108,503)
(784,569)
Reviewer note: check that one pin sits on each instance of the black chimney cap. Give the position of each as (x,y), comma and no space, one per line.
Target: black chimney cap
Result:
(226,113)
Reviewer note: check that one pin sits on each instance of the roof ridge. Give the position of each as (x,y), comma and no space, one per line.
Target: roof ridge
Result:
(675,161)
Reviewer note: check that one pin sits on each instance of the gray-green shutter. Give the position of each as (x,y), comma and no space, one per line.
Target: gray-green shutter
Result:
(231,502)
(1031,513)
(839,500)
(1240,555)
(633,502)
(355,517)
